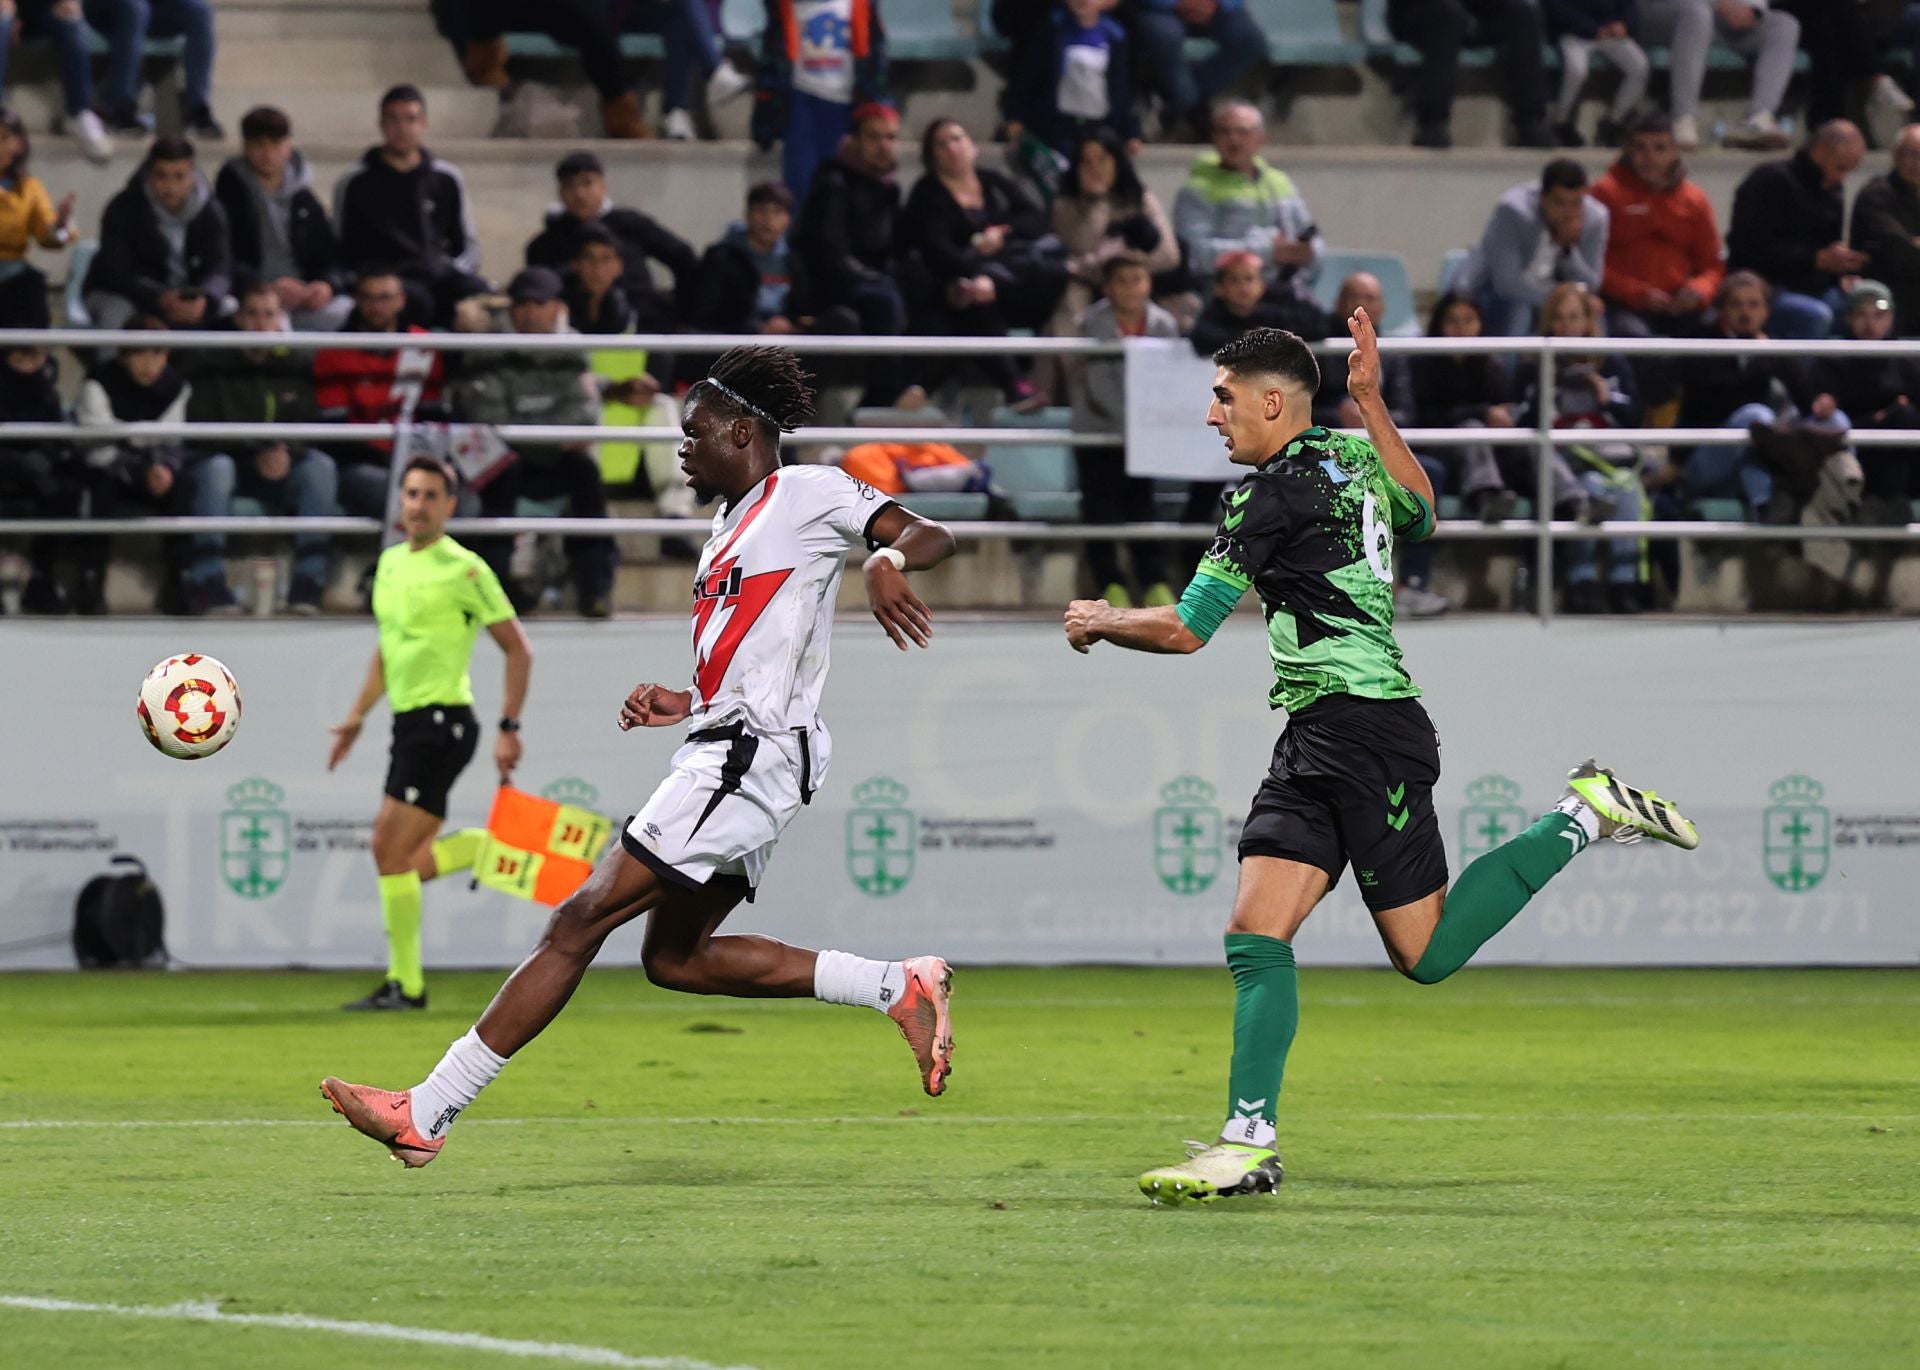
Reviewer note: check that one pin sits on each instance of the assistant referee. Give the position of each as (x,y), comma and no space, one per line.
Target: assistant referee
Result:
(431,597)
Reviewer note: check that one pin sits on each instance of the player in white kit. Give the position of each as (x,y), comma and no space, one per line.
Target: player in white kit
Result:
(755,753)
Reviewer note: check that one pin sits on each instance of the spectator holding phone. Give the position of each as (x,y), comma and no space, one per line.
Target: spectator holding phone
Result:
(164,247)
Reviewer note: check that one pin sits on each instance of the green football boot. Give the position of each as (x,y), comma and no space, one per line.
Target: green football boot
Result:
(1214,1170)
(1627,814)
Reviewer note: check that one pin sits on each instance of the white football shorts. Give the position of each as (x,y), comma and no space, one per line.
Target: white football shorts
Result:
(728,797)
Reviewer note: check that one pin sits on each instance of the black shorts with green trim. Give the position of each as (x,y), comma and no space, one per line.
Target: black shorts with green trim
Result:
(1352,784)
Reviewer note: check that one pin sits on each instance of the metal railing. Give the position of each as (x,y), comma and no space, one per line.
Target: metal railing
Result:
(1542,436)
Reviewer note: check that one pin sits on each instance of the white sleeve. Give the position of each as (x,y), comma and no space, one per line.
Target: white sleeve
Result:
(834,507)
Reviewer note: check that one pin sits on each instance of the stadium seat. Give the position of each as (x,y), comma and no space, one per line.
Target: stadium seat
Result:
(1037,478)
(925,31)
(1390,267)
(1304,33)
(78,260)
(1720,510)
(1451,266)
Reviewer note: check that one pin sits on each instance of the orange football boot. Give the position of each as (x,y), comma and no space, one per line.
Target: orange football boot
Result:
(922,1017)
(384,1116)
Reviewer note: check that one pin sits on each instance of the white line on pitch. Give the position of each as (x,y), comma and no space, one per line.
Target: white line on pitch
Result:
(379,1331)
(935,1120)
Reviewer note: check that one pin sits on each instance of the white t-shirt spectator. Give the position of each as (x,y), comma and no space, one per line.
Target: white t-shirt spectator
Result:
(824,68)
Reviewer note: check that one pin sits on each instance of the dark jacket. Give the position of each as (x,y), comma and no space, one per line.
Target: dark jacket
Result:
(1711,388)
(615,314)
(939,230)
(1450,390)
(1032,96)
(1866,388)
(1396,388)
(780,48)
(641,240)
(417,221)
(1574,398)
(726,300)
(1216,327)
(1583,18)
(1782,217)
(1886,220)
(309,232)
(135,260)
(847,227)
(229,387)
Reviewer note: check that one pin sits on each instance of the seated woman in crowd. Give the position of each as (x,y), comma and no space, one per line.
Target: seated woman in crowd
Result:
(1593,391)
(28,218)
(980,259)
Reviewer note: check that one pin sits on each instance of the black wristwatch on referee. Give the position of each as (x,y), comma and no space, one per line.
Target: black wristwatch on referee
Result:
(509,725)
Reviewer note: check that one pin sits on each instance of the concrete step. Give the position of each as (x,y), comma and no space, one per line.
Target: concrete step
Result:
(325,117)
(355,66)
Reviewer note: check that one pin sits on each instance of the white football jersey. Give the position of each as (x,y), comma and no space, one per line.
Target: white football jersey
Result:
(763,599)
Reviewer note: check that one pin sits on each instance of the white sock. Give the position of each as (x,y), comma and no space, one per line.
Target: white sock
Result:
(1581,812)
(842,978)
(468,1067)
(1243,1130)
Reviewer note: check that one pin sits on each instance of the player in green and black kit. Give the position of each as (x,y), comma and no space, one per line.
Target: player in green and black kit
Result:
(1311,531)
(431,597)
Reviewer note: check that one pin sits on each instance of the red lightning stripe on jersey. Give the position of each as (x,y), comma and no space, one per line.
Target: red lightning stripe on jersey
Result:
(748,601)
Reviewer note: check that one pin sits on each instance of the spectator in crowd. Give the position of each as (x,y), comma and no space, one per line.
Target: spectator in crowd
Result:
(1886,226)
(1243,302)
(1187,90)
(1579,28)
(820,60)
(364,385)
(1234,200)
(974,241)
(1872,393)
(404,208)
(1103,212)
(163,246)
(1852,48)
(28,219)
(753,281)
(1786,228)
(126,25)
(1108,495)
(257,385)
(1440,28)
(280,230)
(595,298)
(1540,234)
(64,22)
(1736,392)
(546,387)
(1663,260)
(38,480)
(129,477)
(1596,392)
(586,202)
(1333,407)
(1072,77)
(478,30)
(695,49)
(1469,390)
(1765,35)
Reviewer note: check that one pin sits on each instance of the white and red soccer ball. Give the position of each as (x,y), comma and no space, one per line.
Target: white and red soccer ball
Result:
(189,706)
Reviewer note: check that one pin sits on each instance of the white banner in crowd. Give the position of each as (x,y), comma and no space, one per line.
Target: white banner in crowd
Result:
(1000,799)
(1168,391)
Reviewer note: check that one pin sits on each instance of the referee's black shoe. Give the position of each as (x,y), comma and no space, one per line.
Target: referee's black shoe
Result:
(388,998)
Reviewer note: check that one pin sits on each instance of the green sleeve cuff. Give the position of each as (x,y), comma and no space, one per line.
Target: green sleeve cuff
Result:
(1208,599)
(1422,527)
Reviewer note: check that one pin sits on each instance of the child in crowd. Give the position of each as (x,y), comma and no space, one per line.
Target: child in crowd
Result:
(1072,75)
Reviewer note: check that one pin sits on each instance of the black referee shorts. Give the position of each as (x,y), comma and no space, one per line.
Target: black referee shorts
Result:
(431,746)
(1352,784)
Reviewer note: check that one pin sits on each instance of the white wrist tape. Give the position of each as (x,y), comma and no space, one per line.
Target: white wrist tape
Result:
(890,554)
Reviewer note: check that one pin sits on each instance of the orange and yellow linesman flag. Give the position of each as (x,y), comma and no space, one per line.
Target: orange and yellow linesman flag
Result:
(538,849)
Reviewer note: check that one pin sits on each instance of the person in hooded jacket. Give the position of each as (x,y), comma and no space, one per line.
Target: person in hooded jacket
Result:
(280,230)
(164,246)
(642,240)
(405,208)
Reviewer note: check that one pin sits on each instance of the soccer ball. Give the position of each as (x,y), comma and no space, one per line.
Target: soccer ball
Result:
(189,706)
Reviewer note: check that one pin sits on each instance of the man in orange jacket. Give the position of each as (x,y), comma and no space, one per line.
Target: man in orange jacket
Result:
(1663,261)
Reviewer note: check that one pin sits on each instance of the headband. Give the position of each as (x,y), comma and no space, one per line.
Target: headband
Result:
(730,393)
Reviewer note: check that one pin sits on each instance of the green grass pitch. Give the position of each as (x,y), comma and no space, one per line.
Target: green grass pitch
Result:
(1518,1168)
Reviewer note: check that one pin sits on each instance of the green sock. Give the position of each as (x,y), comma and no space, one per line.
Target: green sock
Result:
(457,850)
(400,908)
(1495,888)
(1266,1011)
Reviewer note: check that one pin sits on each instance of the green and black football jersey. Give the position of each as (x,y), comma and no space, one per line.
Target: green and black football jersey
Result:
(1311,531)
